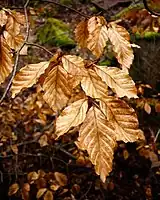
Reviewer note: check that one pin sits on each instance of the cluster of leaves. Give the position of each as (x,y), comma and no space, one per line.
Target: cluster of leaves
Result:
(41,180)
(78,92)
(141,21)
(11,39)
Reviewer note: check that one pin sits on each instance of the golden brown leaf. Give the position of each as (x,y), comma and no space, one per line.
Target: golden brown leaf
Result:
(3,18)
(98,35)
(81,33)
(74,65)
(119,38)
(13,41)
(43,141)
(48,195)
(93,85)
(118,80)
(56,87)
(72,116)
(13,189)
(12,26)
(6,64)
(14,148)
(32,176)
(27,76)
(123,118)
(61,178)
(20,18)
(97,136)
(41,192)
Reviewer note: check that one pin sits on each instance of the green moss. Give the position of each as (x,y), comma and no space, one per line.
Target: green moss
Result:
(105,63)
(55,32)
(150,35)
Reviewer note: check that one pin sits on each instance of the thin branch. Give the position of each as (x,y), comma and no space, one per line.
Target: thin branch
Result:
(65,6)
(149,9)
(39,46)
(18,53)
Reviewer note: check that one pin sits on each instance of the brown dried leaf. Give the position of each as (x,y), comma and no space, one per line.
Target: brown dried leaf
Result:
(12,26)
(61,178)
(14,42)
(6,64)
(20,18)
(27,76)
(13,189)
(74,65)
(98,35)
(56,87)
(48,195)
(119,38)
(118,80)
(3,18)
(41,192)
(81,33)
(32,176)
(97,136)
(72,116)
(93,85)
(43,141)
(123,118)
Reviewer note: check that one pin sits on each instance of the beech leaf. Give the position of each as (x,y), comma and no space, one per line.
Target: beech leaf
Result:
(74,65)
(123,118)
(6,64)
(13,189)
(71,116)
(81,33)
(119,38)
(27,76)
(3,18)
(118,80)
(56,87)
(93,85)
(48,195)
(98,35)
(97,136)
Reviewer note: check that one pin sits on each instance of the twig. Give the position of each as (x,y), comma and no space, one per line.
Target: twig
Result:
(39,46)
(18,53)
(65,6)
(149,10)
(156,137)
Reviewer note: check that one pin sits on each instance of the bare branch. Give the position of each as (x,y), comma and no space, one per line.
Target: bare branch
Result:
(39,46)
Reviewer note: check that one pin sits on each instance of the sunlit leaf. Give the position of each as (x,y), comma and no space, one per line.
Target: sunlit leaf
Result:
(93,85)
(98,35)
(74,65)
(6,64)
(97,136)
(28,76)
(3,18)
(13,41)
(119,38)
(12,26)
(56,87)
(41,192)
(118,80)
(72,116)
(123,118)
